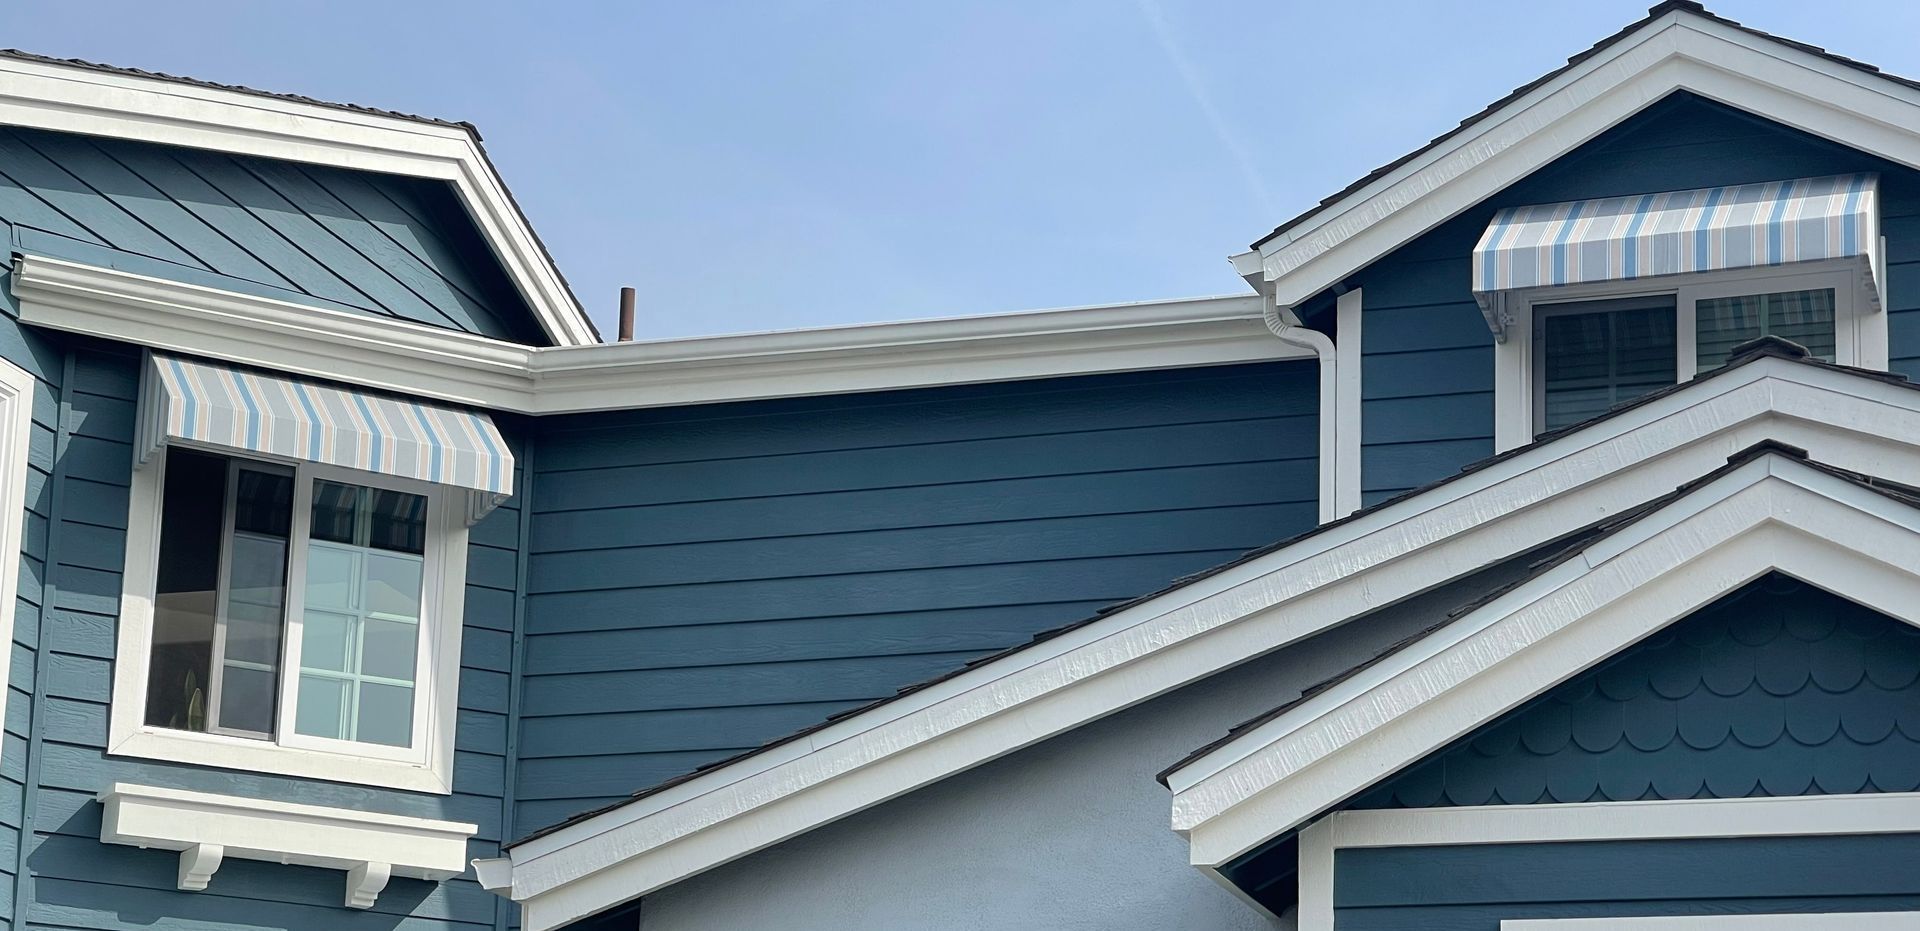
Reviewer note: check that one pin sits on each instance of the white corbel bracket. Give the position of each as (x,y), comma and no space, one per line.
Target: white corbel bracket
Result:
(207,829)
(197,865)
(364,883)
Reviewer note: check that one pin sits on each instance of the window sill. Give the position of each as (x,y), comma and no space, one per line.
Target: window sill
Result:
(207,828)
(259,756)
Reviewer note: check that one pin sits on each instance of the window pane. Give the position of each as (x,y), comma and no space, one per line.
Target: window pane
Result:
(333,577)
(386,715)
(186,586)
(393,585)
(397,521)
(1805,317)
(1611,354)
(326,641)
(264,503)
(253,634)
(247,699)
(390,649)
(322,707)
(365,584)
(255,609)
(334,509)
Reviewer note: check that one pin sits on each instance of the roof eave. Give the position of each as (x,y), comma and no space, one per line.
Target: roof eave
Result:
(85,98)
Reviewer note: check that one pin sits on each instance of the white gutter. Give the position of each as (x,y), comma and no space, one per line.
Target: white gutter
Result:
(418,360)
(1339,491)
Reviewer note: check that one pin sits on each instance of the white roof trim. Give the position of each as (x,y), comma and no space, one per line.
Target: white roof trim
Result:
(444,365)
(1507,508)
(1678,51)
(1773,513)
(1655,819)
(1780,816)
(74,99)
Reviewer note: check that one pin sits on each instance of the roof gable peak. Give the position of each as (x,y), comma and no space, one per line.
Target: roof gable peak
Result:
(1679,46)
(1769,510)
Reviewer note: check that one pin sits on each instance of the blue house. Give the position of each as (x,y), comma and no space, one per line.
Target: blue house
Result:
(1534,544)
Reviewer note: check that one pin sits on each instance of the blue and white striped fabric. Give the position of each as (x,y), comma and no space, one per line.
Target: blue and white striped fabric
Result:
(286,417)
(1644,235)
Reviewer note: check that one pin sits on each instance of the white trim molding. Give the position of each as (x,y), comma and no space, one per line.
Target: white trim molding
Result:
(1681,50)
(909,354)
(76,99)
(208,829)
(1509,507)
(17,386)
(443,365)
(1812,921)
(1681,819)
(1773,513)
(1349,311)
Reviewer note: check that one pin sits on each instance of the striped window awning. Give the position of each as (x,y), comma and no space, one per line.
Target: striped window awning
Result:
(281,416)
(1677,232)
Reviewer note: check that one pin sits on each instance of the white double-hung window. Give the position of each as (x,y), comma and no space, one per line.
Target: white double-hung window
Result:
(295,567)
(1597,303)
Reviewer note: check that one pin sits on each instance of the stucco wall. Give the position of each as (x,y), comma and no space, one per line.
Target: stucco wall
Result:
(1070,834)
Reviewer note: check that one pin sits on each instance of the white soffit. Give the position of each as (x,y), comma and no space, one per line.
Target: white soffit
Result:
(1772,513)
(1508,507)
(77,99)
(207,829)
(1680,50)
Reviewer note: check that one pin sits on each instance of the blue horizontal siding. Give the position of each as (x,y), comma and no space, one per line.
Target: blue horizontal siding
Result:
(384,245)
(79,882)
(1474,888)
(703,580)
(1427,360)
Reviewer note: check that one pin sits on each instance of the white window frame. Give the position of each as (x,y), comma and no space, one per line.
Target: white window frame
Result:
(1860,327)
(426,766)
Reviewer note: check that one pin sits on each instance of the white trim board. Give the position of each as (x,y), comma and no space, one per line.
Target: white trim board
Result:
(208,828)
(16,440)
(66,98)
(1812,921)
(1678,51)
(1510,507)
(1791,816)
(1774,513)
(1349,314)
(440,364)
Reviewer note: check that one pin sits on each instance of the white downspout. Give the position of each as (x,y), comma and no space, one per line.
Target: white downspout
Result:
(1339,413)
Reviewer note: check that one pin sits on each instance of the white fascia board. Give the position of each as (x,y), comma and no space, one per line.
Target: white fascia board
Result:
(909,354)
(1775,514)
(208,828)
(1507,508)
(444,365)
(276,335)
(1680,51)
(82,100)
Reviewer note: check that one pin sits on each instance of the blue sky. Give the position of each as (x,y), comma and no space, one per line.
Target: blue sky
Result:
(783,163)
